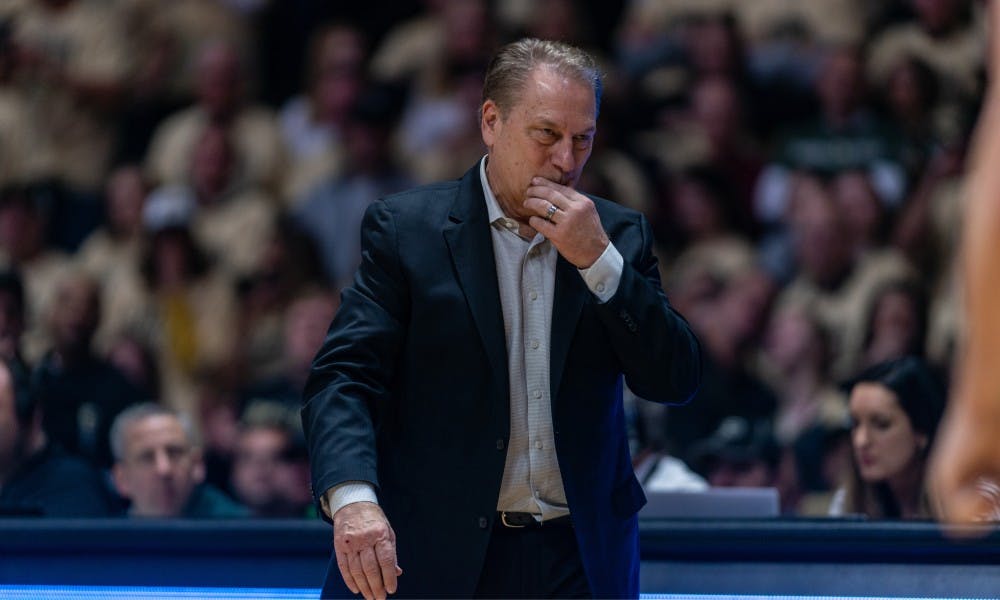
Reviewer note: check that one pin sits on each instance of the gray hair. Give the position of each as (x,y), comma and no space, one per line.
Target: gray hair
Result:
(513,64)
(138,412)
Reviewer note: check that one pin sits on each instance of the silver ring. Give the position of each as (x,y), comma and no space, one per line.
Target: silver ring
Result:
(551,211)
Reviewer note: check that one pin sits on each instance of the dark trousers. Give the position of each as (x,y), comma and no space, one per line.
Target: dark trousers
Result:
(533,563)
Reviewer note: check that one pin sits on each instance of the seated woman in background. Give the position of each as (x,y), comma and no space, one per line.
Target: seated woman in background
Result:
(895,409)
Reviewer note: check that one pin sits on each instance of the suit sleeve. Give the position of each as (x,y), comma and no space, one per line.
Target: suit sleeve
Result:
(352,372)
(659,354)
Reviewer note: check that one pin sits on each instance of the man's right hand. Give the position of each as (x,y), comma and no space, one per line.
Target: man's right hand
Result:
(365,546)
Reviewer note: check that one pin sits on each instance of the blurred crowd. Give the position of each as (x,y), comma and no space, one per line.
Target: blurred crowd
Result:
(182,184)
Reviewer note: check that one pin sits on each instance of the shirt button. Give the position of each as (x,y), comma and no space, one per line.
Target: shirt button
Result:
(500,444)
(600,287)
(538,444)
(538,394)
(484,522)
(533,295)
(534,344)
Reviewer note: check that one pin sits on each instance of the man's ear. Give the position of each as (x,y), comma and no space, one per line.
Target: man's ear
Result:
(120,479)
(489,121)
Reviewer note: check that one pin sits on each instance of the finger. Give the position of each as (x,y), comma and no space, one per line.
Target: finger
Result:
(542,226)
(385,552)
(551,185)
(540,206)
(354,561)
(549,196)
(373,572)
(345,572)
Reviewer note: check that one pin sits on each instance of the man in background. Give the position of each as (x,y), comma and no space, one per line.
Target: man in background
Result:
(36,476)
(159,468)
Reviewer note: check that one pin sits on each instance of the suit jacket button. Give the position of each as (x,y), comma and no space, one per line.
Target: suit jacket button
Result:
(500,444)
(484,522)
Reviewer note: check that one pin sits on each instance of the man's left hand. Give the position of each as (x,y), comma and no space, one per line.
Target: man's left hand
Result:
(574,228)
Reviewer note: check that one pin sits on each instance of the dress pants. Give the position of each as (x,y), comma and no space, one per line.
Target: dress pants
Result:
(533,562)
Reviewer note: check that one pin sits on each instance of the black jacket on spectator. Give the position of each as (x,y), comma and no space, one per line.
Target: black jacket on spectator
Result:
(53,483)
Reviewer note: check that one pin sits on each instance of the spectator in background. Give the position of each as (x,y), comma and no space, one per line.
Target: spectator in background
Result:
(305,322)
(36,476)
(233,217)
(263,474)
(136,361)
(795,361)
(73,61)
(711,136)
(727,327)
(179,30)
(159,469)
(823,460)
(290,266)
(117,245)
(865,216)
(24,218)
(910,96)
(79,392)
(312,123)
(895,410)
(438,133)
(831,276)
(741,452)
(331,214)
(845,135)
(949,35)
(438,129)
(257,145)
(22,150)
(412,50)
(696,225)
(897,323)
(177,303)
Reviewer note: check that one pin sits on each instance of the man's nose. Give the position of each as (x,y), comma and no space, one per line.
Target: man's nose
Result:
(162,464)
(562,155)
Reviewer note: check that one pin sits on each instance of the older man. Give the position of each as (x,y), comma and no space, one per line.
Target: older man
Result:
(469,389)
(159,468)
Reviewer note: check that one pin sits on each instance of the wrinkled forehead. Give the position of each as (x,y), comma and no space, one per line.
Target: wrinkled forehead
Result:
(550,93)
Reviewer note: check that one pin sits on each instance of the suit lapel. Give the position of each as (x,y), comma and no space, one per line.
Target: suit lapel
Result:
(470,243)
(570,295)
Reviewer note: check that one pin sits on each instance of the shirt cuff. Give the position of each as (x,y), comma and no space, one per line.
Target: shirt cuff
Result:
(346,493)
(603,276)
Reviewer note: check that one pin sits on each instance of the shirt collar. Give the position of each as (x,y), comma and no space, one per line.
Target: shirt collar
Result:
(493,210)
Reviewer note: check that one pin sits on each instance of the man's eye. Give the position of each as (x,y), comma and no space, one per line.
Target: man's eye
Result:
(547,134)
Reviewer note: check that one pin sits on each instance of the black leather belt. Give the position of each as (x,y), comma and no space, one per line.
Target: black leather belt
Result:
(523,520)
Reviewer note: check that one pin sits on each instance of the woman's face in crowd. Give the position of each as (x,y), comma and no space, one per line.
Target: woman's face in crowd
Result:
(884,441)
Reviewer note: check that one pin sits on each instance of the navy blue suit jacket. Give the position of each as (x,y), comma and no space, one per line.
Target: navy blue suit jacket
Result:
(410,389)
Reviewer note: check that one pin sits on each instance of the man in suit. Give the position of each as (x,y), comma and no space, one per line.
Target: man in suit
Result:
(469,389)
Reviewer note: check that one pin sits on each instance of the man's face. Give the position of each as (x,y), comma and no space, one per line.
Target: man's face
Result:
(548,132)
(10,427)
(76,313)
(160,467)
(256,464)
